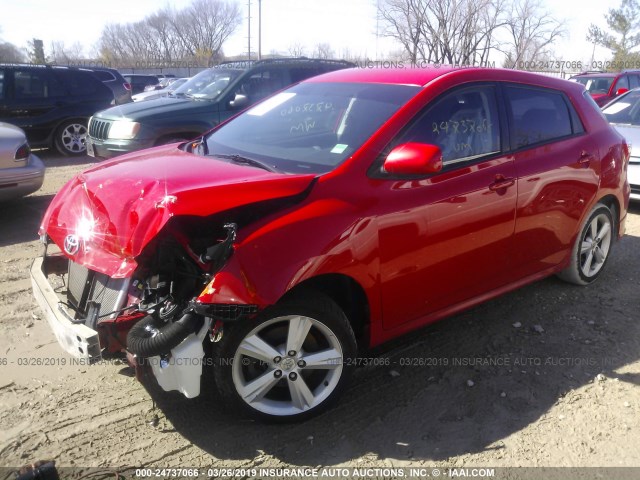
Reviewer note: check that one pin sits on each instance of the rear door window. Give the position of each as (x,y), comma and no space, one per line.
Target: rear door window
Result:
(79,83)
(263,83)
(36,84)
(537,115)
(301,73)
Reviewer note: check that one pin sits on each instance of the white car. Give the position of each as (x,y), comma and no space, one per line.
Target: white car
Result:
(624,114)
(21,172)
(153,94)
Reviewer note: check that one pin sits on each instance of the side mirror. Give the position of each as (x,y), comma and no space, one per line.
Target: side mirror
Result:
(620,91)
(414,159)
(240,101)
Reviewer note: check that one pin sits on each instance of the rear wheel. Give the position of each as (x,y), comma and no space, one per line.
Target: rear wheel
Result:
(592,247)
(291,364)
(70,138)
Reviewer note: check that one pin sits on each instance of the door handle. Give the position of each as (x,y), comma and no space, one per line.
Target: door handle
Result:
(585,158)
(501,183)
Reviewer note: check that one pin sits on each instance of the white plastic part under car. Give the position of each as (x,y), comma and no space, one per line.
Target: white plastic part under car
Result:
(182,370)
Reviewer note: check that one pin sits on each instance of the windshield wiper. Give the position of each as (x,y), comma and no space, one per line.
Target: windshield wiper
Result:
(240,160)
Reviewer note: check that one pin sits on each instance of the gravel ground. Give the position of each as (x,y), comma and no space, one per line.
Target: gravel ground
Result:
(545,376)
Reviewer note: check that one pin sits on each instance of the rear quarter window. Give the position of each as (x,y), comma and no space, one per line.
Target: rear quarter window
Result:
(299,74)
(80,83)
(537,115)
(103,75)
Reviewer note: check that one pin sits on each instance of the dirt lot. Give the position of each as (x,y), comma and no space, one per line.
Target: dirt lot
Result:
(546,376)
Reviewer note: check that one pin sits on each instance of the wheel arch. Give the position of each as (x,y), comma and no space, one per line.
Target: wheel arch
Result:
(611,201)
(348,294)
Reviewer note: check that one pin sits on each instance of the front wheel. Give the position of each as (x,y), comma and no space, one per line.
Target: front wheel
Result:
(291,363)
(592,247)
(70,138)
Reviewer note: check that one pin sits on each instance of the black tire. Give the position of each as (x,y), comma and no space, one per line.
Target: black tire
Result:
(588,263)
(329,332)
(70,138)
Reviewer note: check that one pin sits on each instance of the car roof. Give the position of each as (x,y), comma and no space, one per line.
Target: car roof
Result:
(283,62)
(597,75)
(423,76)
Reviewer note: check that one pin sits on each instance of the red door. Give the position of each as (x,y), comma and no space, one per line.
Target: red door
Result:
(557,169)
(449,238)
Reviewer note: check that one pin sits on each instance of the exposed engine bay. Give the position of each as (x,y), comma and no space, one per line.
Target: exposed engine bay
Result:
(155,315)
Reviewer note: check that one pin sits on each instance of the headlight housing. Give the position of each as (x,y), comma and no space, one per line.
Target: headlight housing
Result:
(123,130)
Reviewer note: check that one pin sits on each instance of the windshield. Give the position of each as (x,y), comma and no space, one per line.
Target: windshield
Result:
(208,84)
(311,127)
(625,109)
(595,84)
(174,85)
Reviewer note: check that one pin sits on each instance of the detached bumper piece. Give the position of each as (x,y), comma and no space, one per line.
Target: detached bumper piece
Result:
(90,297)
(75,338)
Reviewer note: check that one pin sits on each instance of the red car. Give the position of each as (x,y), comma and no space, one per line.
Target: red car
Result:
(604,86)
(342,212)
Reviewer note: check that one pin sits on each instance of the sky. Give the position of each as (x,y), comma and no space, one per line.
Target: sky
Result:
(341,23)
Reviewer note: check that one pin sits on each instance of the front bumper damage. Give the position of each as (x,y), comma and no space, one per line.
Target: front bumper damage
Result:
(77,339)
(74,298)
(179,369)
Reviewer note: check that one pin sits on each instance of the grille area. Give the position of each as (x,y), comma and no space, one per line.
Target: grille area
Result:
(635,189)
(78,280)
(99,129)
(94,294)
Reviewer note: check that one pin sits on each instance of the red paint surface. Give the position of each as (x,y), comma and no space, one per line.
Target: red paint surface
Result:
(419,249)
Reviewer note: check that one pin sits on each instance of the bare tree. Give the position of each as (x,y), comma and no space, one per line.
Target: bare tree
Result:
(323,50)
(443,31)
(296,49)
(404,20)
(61,54)
(203,27)
(9,53)
(531,32)
(196,32)
(465,32)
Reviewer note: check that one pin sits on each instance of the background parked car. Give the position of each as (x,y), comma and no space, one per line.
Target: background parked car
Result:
(624,114)
(173,85)
(163,82)
(116,82)
(52,104)
(604,87)
(139,81)
(21,172)
(207,99)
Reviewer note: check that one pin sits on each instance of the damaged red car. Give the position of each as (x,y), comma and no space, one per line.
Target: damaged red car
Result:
(345,211)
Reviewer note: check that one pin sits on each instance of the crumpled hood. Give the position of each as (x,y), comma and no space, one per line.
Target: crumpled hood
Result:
(105,216)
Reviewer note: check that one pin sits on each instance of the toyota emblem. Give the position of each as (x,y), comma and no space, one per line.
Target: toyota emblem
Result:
(71,244)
